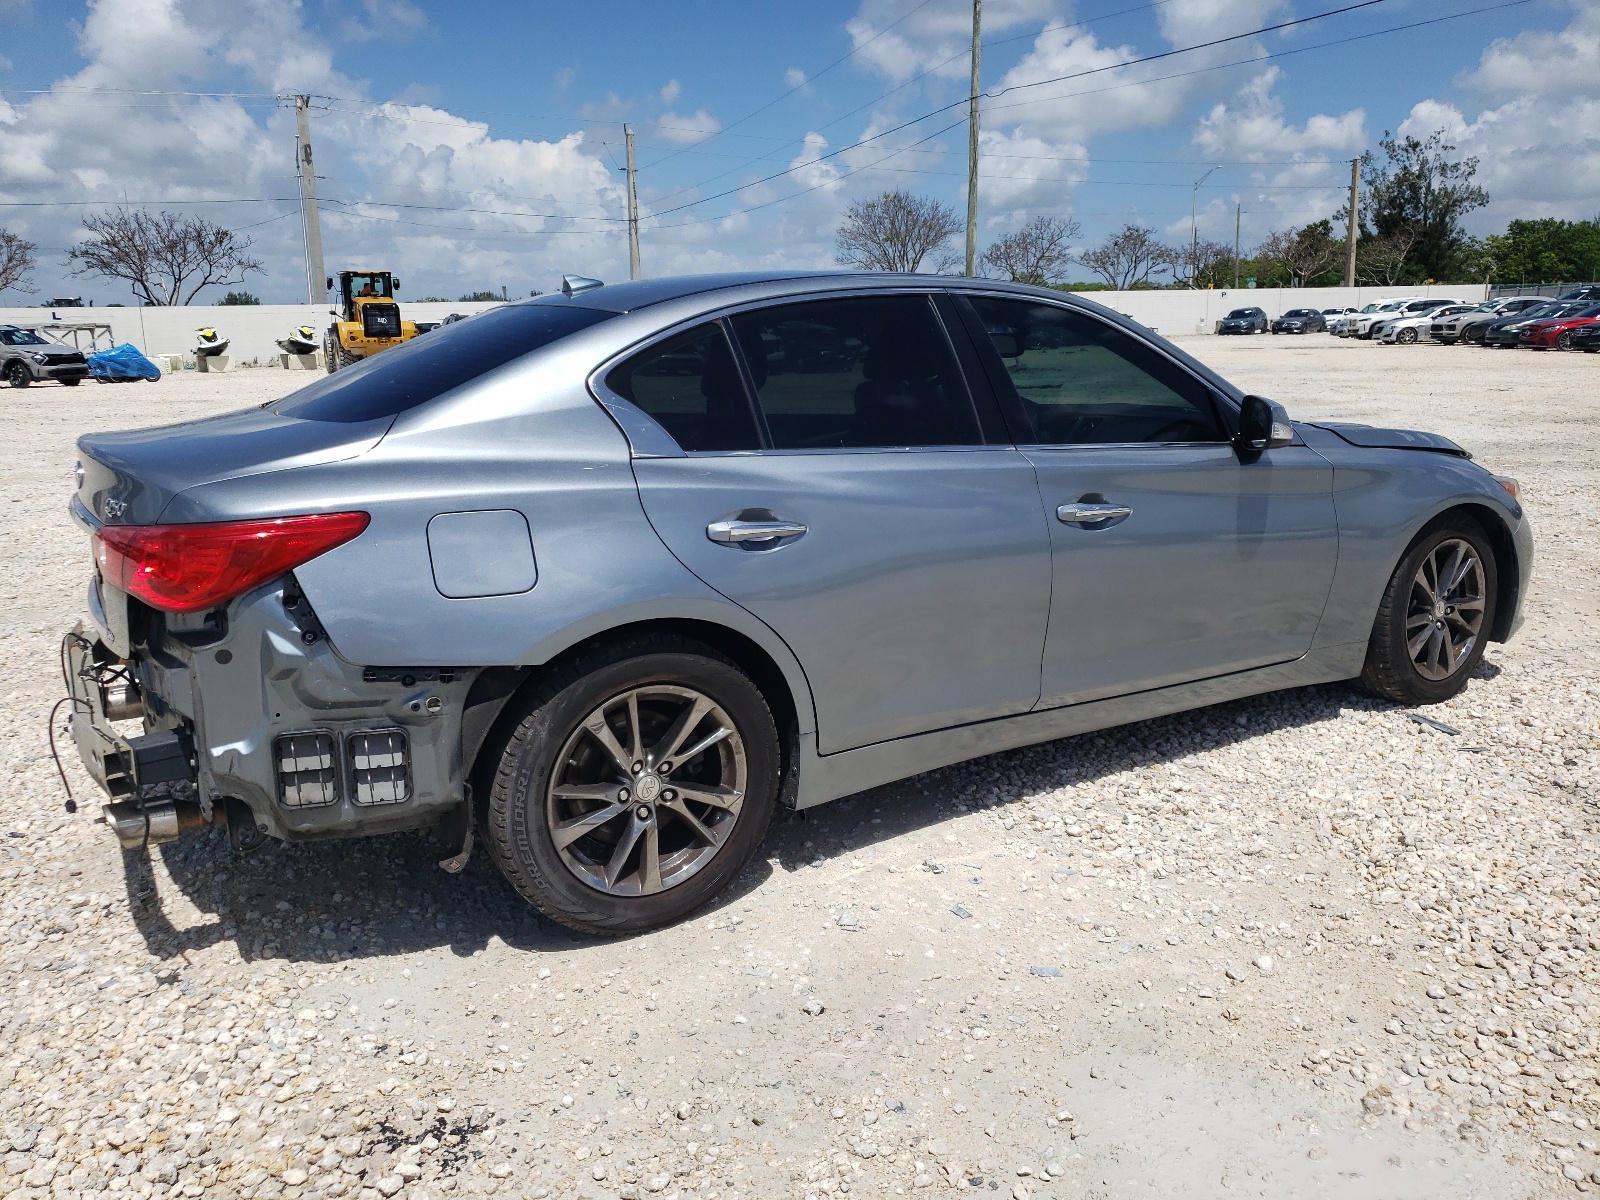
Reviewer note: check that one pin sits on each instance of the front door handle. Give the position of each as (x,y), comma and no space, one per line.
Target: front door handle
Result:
(735,532)
(1097,515)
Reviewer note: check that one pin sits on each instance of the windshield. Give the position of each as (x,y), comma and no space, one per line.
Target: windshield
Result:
(21,337)
(1299,312)
(375,283)
(389,383)
(1240,313)
(1539,310)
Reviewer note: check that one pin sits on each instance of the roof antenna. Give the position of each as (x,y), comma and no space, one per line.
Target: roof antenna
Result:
(572,285)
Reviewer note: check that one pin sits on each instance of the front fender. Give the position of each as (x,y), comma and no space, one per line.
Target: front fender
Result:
(1383,498)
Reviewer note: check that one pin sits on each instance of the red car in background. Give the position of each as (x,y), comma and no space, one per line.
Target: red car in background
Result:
(1556,332)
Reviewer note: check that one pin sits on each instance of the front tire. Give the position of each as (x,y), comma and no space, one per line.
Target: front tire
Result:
(1406,337)
(637,785)
(1434,619)
(18,376)
(1564,340)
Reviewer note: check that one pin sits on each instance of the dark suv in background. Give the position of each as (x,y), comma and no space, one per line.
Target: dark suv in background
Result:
(1301,320)
(1244,320)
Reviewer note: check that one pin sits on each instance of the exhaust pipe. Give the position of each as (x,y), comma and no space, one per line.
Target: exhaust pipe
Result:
(153,824)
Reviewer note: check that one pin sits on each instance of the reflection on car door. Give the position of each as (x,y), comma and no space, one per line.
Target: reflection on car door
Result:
(1173,559)
(905,562)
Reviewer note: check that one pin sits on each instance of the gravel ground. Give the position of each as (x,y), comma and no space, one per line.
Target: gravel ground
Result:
(1295,945)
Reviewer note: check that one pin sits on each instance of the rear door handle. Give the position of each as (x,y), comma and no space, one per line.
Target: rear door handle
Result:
(734,532)
(1092,514)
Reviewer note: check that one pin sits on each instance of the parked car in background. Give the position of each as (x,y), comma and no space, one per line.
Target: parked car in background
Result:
(530,576)
(1587,338)
(1408,330)
(1244,320)
(25,358)
(1555,333)
(1330,313)
(1456,328)
(1300,320)
(1411,308)
(1590,291)
(1507,331)
(1357,324)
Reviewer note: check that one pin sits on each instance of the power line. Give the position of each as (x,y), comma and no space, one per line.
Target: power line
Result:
(805,83)
(1092,71)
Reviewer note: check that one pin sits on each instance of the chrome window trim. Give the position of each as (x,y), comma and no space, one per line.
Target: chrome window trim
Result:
(653,441)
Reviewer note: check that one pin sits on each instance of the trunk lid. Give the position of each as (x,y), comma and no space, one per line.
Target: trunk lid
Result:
(130,476)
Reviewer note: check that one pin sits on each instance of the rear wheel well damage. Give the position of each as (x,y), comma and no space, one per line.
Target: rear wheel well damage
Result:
(495,702)
(1508,575)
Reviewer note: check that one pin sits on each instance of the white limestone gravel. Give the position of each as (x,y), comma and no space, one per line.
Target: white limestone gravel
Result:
(1292,945)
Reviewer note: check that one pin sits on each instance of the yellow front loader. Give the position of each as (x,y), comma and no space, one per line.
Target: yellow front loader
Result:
(368,318)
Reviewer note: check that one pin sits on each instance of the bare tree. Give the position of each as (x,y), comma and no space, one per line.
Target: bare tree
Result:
(1381,260)
(894,231)
(16,261)
(166,258)
(1037,253)
(1202,263)
(1304,252)
(1129,257)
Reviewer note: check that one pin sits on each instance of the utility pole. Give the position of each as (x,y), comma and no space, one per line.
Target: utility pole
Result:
(972,144)
(316,281)
(1352,227)
(633,206)
(1194,229)
(1238,215)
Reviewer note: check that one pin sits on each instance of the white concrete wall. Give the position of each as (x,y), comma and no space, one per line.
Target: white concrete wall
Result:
(253,329)
(1198,311)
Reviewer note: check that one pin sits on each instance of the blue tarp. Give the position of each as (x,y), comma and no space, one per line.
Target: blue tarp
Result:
(122,364)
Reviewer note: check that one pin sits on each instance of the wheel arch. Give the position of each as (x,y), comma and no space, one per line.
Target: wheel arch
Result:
(1508,574)
(493,704)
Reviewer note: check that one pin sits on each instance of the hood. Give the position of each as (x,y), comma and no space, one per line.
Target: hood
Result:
(129,477)
(1372,437)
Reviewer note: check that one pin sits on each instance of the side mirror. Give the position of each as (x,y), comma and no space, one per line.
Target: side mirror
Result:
(330,281)
(1263,425)
(394,285)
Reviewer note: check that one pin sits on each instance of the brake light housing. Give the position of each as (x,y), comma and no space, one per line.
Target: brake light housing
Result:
(192,568)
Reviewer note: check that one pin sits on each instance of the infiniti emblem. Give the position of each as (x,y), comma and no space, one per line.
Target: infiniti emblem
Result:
(648,788)
(115,508)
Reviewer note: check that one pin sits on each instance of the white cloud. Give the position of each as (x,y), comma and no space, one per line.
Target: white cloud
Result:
(1025,177)
(794,77)
(1303,176)
(1537,149)
(670,92)
(936,37)
(695,127)
(82,142)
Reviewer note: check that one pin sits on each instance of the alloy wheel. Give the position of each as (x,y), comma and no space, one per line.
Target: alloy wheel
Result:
(1444,618)
(646,790)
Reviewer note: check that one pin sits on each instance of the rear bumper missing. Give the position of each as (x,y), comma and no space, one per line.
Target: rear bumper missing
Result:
(256,707)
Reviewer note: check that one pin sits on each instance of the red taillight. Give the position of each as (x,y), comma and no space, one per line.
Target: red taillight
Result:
(189,568)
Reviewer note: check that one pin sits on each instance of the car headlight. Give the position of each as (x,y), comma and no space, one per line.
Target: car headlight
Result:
(41,359)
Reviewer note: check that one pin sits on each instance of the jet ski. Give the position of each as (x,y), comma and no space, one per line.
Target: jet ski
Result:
(302,341)
(211,342)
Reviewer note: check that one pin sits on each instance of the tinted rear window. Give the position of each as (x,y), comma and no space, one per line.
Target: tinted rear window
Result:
(435,362)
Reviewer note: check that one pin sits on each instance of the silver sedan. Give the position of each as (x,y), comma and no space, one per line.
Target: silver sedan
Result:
(606,577)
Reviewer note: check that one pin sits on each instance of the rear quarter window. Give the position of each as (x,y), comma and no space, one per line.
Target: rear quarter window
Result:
(433,363)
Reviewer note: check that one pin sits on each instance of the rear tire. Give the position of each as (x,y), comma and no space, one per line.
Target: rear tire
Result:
(612,847)
(1434,619)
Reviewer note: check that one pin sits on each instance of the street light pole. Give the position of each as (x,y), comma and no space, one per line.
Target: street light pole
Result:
(972,143)
(1194,227)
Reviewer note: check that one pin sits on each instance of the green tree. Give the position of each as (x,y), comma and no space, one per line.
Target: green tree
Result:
(240,298)
(1547,251)
(1424,191)
(473,297)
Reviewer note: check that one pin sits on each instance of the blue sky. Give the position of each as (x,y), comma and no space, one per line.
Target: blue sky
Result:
(477,145)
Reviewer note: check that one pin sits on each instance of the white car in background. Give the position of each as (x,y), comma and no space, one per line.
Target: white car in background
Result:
(1407,331)
(1422,305)
(1357,324)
